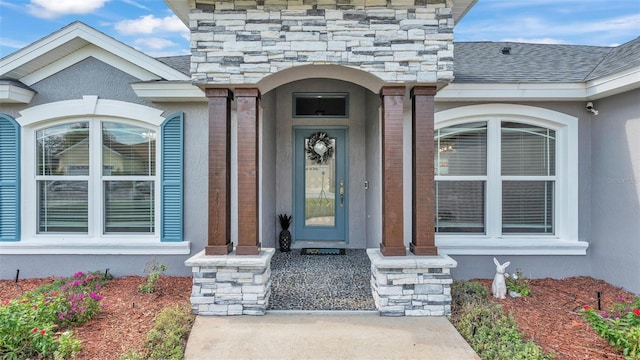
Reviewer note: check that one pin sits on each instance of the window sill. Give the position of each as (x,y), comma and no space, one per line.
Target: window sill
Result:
(95,247)
(455,245)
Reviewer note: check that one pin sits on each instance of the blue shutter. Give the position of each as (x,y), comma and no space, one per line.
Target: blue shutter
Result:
(9,179)
(171,221)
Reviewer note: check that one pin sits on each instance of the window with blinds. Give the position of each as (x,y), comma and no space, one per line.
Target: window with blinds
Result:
(460,168)
(528,158)
(62,176)
(500,165)
(67,183)
(128,170)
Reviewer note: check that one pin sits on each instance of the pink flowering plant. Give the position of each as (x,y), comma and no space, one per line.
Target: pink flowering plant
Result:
(36,325)
(620,326)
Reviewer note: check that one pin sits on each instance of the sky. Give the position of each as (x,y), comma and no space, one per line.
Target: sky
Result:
(151,27)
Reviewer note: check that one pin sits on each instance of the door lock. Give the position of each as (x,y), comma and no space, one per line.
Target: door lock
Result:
(341,193)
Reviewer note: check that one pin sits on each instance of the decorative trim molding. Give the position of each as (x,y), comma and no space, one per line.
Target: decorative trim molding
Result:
(169,91)
(15,94)
(483,246)
(89,247)
(90,105)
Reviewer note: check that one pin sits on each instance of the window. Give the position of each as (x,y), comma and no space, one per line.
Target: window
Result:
(321,105)
(506,181)
(461,176)
(495,167)
(124,177)
(92,176)
(527,154)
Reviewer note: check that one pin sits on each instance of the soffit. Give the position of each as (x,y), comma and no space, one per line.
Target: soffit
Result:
(45,59)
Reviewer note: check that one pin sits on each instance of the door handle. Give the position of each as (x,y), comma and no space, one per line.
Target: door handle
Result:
(341,193)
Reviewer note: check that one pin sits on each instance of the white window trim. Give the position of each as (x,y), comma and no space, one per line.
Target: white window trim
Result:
(89,108)
(565,240)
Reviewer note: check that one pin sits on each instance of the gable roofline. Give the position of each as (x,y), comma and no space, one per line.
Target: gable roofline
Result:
(65,47)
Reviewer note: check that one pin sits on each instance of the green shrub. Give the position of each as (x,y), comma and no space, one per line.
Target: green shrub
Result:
(168,338)
(492,334)
(33,326)
(620,326)
(467,292)
(154,271)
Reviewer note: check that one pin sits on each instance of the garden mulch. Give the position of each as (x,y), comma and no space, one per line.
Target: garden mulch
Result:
(550,316)
(126,318)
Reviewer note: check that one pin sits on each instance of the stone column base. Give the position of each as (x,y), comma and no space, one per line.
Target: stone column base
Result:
(231,284)
(411,285)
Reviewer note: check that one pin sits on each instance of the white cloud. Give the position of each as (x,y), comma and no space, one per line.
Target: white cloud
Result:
(136,4)
(149,24)
(10,43)
(546,40)
(48,9)
(154,43)
(9,5)
(551,31)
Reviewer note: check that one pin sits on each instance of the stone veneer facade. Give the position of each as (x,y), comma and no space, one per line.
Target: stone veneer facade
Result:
(230,284)
(411,285)
(240,42)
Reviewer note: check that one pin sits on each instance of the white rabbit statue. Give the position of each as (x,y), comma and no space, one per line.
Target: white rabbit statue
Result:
(499,286)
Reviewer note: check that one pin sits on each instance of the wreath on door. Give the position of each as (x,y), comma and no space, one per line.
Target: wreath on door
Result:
(319,147)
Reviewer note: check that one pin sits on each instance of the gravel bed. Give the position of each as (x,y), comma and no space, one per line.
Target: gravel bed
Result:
(321,282)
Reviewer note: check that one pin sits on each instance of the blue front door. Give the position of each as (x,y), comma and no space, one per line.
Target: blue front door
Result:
(320,184)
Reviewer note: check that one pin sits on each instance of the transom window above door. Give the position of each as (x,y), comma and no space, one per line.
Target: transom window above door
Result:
(333,105)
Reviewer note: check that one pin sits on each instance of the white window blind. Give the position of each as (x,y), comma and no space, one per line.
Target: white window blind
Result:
(461,150)
(517,182)
(460,206)
(461,169)
(62,169)
(128,169)
(528,178)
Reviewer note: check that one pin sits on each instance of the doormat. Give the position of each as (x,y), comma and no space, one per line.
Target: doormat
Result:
(317,251)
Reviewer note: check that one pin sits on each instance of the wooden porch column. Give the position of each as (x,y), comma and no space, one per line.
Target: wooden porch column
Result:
(219,239)
(247,110)
(392,189)
(423,239)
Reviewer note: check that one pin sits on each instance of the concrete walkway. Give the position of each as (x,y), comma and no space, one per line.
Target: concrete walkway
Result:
(326,335)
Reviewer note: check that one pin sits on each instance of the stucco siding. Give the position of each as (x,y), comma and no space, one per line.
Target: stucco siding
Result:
(615,211)
(269,223)
(93,77)
(87,77)
(374,171)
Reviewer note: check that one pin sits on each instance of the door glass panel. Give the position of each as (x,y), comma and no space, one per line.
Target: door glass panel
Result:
(320,191)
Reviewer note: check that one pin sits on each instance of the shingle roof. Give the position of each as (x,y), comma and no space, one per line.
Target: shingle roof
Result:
(181,63)
(484,62)
(621,57)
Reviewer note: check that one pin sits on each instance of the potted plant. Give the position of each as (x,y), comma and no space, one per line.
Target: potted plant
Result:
(285,236)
